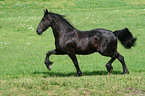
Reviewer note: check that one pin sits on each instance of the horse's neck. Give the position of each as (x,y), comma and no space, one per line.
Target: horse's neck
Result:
(59,29)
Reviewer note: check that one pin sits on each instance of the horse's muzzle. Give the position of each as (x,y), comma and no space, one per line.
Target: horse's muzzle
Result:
(39,32)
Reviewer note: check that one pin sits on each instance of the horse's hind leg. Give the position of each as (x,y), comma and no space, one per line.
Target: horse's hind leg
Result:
(121,59)
(109,64)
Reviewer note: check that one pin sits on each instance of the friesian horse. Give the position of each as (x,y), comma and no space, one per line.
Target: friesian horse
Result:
(71,41)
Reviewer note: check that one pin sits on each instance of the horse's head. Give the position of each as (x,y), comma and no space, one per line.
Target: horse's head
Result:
(44,23)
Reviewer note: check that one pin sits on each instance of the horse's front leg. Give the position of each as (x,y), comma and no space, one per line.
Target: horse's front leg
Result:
(47,62)
(74,59)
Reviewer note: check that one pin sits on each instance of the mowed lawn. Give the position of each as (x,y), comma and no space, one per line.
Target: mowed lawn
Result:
(22,51)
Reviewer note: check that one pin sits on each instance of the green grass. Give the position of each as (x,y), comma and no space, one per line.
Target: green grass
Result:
(22,51)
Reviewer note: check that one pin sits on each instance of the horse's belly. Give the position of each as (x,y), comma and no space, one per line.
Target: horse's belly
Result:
(84,50)
(86,46)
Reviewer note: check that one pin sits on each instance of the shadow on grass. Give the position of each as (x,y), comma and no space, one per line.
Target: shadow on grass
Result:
(86,73)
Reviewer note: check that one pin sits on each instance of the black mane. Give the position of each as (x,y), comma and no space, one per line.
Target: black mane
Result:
(61,17)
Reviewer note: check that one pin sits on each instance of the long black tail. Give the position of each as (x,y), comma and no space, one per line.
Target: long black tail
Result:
(125,37)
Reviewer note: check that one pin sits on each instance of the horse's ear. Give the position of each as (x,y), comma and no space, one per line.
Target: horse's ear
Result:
(46,11)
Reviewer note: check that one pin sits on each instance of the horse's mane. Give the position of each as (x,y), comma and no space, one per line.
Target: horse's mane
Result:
(61,17)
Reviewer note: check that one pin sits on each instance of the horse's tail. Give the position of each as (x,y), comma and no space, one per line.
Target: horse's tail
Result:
(125,37)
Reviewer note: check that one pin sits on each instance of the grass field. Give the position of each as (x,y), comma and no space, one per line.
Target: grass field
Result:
(22,51)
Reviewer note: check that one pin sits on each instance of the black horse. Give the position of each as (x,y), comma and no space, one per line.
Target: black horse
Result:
(71,41)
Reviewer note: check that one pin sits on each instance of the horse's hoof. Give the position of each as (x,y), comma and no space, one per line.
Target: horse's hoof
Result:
(126,72)
(49,67)
(48,64)
(79,74)
(109,68)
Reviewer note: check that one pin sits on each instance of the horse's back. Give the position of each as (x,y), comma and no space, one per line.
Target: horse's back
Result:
(104,34)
